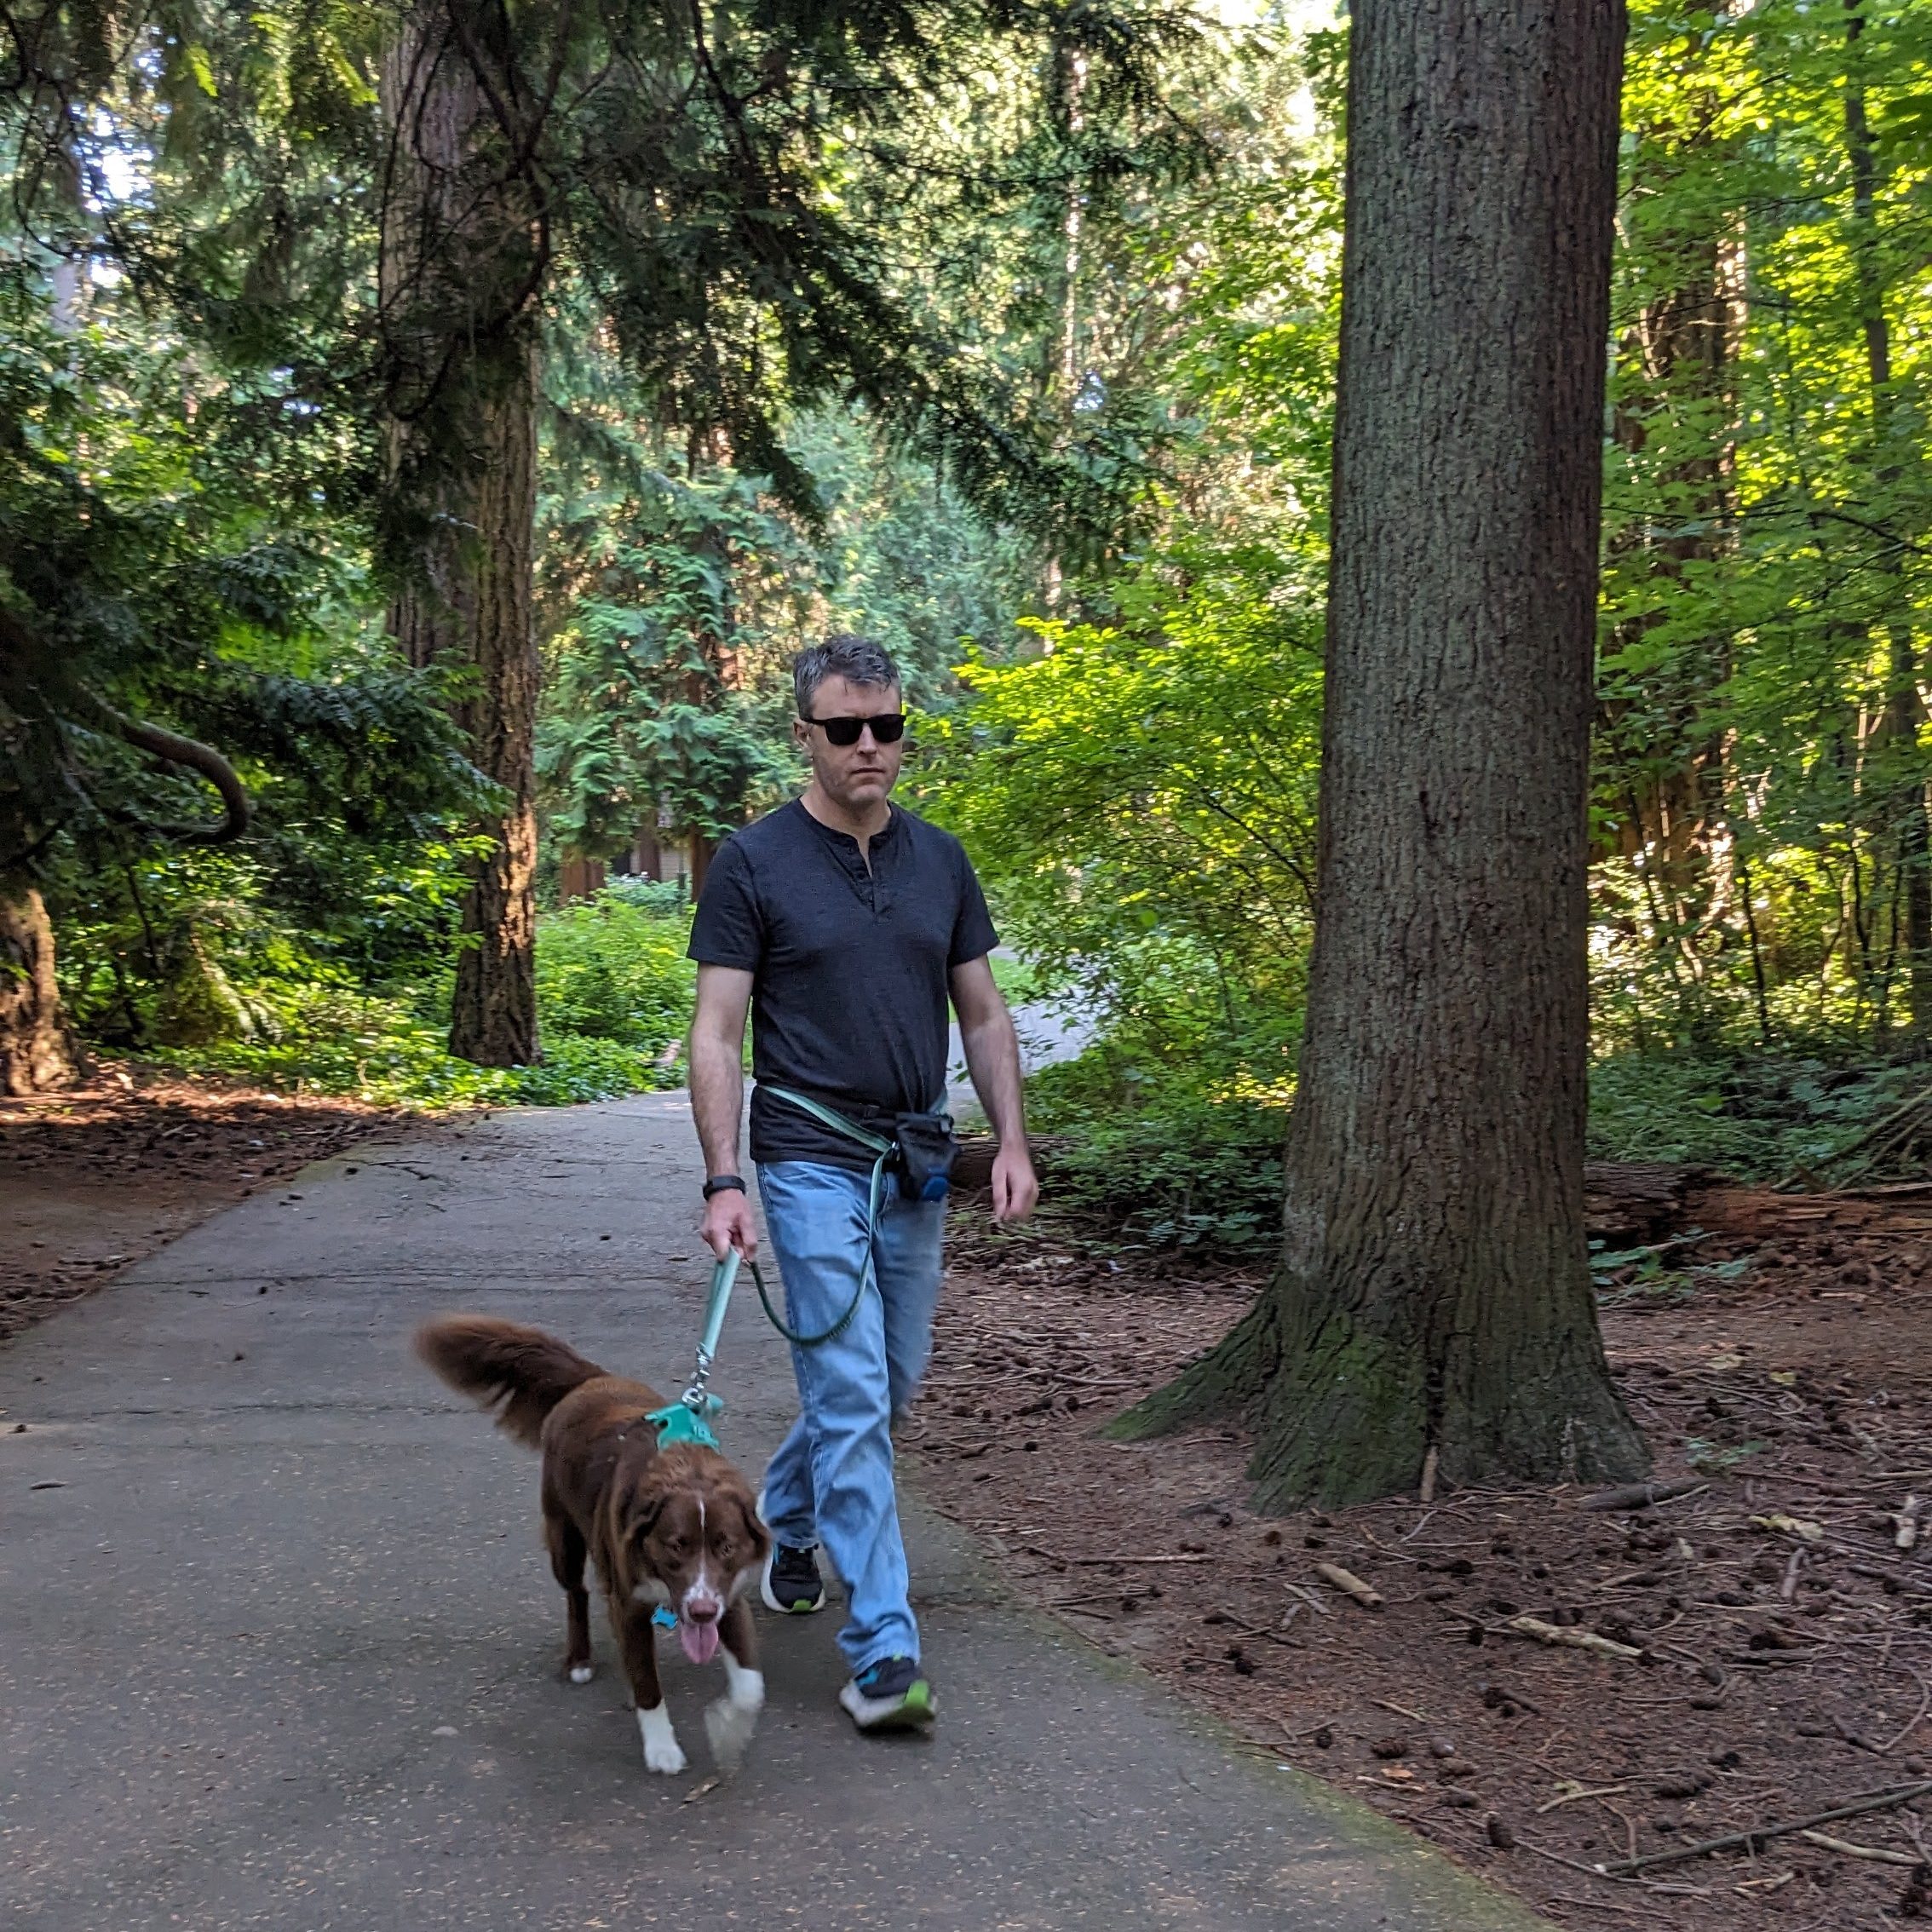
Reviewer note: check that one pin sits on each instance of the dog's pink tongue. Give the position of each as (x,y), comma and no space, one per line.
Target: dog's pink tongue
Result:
(700,1641)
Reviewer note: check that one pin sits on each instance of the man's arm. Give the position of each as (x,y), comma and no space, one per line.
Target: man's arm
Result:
(717,1101)
(993,1058)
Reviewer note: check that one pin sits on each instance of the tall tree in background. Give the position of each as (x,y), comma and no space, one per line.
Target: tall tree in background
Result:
(1901,777)
(1660,747)
(730,186)
(463,259)
(1434,1292)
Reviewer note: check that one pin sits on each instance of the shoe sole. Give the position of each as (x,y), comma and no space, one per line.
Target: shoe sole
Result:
(914,1712)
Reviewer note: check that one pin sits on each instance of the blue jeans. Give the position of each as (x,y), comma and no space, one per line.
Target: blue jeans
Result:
(830,1481)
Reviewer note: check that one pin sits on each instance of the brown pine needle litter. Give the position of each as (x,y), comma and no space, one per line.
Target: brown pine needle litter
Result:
(1727,1661)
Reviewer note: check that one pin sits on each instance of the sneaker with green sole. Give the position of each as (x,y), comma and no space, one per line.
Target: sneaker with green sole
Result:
(791,1583)
(892,1695)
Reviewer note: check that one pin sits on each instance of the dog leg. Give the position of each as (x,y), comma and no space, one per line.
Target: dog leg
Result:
(731,1721)
(638,1643)
(568,1553)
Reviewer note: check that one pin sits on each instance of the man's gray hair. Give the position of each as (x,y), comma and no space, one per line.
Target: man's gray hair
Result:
(858,660)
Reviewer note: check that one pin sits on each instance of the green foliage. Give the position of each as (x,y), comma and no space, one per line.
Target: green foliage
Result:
(1158,1161)
(1140,794)
(1762,756)
(680,590)
(610,969)
(613,990)
(1757,1117)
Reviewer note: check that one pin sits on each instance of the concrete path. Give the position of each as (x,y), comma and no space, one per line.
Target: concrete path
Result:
(278,1647)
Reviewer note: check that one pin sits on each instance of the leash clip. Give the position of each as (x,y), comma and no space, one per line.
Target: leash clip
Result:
(695,1397)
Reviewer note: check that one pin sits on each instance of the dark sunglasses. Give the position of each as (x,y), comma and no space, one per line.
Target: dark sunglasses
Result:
(887,729)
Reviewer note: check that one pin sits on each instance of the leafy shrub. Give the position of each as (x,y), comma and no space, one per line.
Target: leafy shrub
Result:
(609,968)
(613,994)
(1758,1118)
(1161,1162)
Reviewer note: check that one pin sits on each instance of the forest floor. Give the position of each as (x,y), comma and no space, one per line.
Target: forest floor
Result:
(1779,1639)
(98,1176)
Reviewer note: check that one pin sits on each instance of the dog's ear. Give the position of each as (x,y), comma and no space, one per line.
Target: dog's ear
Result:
(761,1538)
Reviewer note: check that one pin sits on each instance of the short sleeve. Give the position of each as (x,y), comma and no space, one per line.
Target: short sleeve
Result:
(973,934)
(729,930)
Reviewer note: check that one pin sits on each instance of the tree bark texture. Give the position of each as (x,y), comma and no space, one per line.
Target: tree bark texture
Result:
(462,260)
(38,1050)
(1434,1290)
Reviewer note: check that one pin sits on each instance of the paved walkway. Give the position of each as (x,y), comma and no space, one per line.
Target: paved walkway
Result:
(278,1647)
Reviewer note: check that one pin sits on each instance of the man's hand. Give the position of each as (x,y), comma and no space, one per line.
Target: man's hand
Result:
(730,1224)
(993,1058)
(1015,1188)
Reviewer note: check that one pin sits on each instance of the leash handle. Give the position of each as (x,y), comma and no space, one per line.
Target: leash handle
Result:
(723,1276)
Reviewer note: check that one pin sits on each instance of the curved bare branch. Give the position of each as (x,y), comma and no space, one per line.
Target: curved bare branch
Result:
(203,759)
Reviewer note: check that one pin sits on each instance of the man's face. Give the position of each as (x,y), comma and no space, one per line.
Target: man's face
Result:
(858,776)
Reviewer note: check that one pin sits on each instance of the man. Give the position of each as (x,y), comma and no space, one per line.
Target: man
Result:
(843,922)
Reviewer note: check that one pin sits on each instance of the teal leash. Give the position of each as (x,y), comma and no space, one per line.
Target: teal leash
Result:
(690,1418)
(883,1150)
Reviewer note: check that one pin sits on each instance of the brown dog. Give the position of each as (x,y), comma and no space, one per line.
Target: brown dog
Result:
(675,1527)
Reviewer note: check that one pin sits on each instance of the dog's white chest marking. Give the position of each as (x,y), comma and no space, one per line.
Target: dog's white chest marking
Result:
(661,1751)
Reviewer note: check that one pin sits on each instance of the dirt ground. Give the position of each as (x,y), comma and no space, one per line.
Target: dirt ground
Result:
(96,1176)
(1775,1657)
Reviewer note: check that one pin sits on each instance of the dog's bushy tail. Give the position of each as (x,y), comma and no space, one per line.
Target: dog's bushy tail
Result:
(521,1374)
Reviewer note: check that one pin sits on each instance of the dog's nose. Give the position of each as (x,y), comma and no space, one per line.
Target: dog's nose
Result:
(703,1610)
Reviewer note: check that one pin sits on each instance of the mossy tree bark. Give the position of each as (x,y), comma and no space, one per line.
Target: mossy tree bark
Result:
(1434,1289)
(464,256)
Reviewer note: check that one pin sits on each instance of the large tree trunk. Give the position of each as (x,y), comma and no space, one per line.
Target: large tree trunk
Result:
(37,1051)
(462,263)
(1434,1290)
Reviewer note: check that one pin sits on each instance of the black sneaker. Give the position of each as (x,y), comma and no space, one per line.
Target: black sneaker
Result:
(890,1696)
(792,1585)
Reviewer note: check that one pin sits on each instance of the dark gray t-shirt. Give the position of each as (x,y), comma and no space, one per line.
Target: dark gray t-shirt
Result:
(848,1003)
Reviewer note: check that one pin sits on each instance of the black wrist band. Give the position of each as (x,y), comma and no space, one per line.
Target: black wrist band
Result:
(723,1183)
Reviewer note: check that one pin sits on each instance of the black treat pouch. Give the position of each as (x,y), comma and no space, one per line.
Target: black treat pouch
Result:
(926,1151)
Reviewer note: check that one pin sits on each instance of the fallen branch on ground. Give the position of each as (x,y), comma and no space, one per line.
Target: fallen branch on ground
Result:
(1642,1495)
(1761,1835)
(1350,1584)
(1033,1550)
(1572,1639)
(1875,1852)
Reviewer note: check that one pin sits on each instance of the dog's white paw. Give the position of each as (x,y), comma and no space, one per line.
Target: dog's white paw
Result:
(661,1749)
(730,1724)
(730,1727)
(580,1673)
